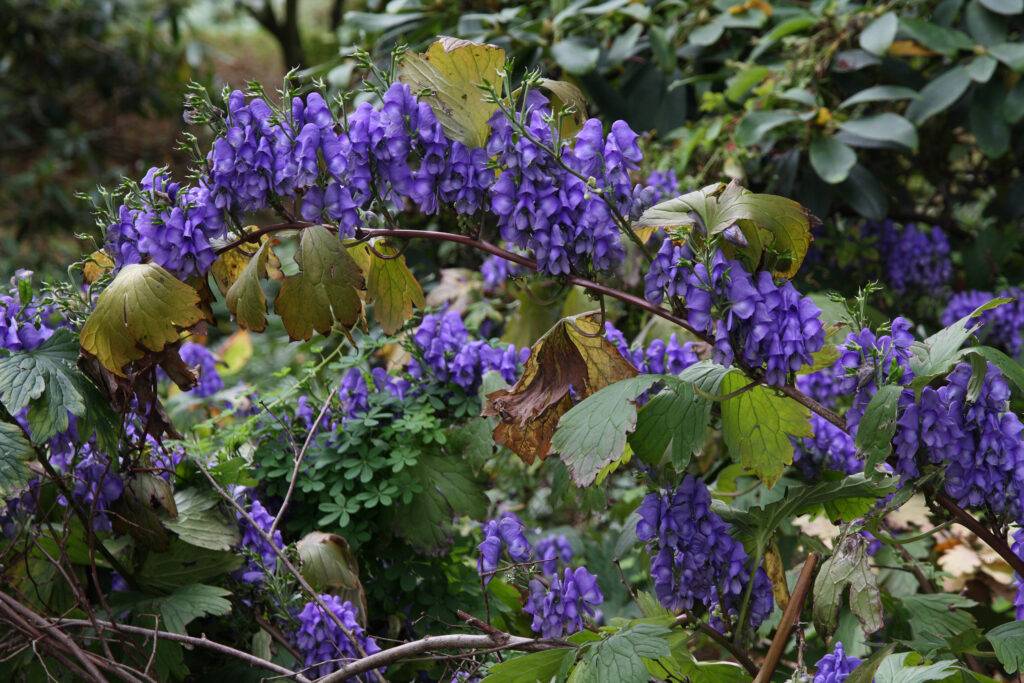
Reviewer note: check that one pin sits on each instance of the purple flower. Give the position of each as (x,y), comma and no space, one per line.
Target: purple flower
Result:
(835,667)
(448,353)
(260,558)
(353,394)
(551,551)
(324,645)
(505,532)
(915,258)
(559,609)
(1001,326)
(199,357)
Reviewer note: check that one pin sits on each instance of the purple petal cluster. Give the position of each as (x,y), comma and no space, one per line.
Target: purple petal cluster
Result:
(1018,547)
(552,551)
(868,360)
(822,385)
(322,643)
(353,394)
(1001,326)
(978,441)
(552,211)
(916,259)
(507,532)
(665,185)
(255,570)
(835,667)
(496,271)
(694,560)
(767,325)
(168,224)
(199,357)
(659,357)
(96,485)
(449,355)
(829,448)
(558,609)
(24,325)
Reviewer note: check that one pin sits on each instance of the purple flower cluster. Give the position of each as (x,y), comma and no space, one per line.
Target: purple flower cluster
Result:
(198,356)
(559,609)
(448,353)
(167,224)
(659,357)
(496,271)
(766,324)
(322,643)
(1018,548)
(255,569)
(829,448)
(979,441)
(915,258)
(552,551)
(549,210)
(694,560)
(505,533)
(868,360)
(23,325)
(96,485)
(1002,325)
(822,385)
(835,667)
(353,394)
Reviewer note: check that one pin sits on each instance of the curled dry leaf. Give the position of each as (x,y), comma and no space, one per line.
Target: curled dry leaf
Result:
(573,354)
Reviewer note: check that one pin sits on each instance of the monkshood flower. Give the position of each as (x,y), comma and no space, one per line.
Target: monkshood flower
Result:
(829,448)
(199,357)
(323,644)
(1001,326)
(255,570)
(659,357)
(24,325)
(450,356)
(694,560)
(496,271)
(552,551)
(1018,548)
(835,667)
(507,533)
(354,393)
(915,258)
(559,609)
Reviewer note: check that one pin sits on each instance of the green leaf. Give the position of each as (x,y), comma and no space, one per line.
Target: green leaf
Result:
(1008,642)
(536,667)
(865,194)
(182,564)
(324,292)
(449,489)
(938,38)
(937,614)
(886,127)
(865,673)
(619,658)
(757,425)
(901,668)
(848,567)
(937,354)
(1010,54)
(879,34)
(200,522)
(448,77)
(788,27)
(329,565)
(576,56)
(1008,366)
(988,121)
(878,426)
(939,94)
(181,607)
(879,93)
(845,499)
(145,307)
(15,452)
(47,379)
(1007,7)
(757,124)
(981,68)
(739,85)
(676,420)
(392,288)
(832,159)
(245,298)
(592,433)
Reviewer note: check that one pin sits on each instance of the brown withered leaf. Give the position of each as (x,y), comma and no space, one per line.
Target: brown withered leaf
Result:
(566,356)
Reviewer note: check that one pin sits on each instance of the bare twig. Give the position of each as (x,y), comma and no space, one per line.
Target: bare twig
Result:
(789,619)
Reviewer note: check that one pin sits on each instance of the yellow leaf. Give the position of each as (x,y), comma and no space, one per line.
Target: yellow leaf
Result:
(144,308)
(235,352)
(392,288)
(324,292)
(98,263)
(448,77)
(565,95)
(908,48)
(245,298)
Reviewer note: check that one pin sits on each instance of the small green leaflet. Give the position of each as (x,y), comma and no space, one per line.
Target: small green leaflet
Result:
(200,522)
(903,667)
(877,427)
(47,381)
(1008,642)
(939,352)
(592,434)
(15,451)
(757,424)
(620,657)
(536,667)
(848,567)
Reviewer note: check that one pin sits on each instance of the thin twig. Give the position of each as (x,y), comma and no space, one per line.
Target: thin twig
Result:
(789,619)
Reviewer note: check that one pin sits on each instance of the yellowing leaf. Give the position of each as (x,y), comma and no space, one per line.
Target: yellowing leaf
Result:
(393,289)
(448,77)
(757,424)
(229,266)
(324,292)
(908,48)
(144,308)
(573,353)
(960,560)
(235,352)
(98,263)
(565,95)
(245,297)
